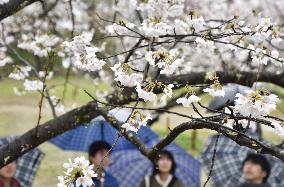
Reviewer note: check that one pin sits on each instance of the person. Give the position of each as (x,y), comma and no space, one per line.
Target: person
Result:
(163,172)
(99,156)
(256,170)
(7,174)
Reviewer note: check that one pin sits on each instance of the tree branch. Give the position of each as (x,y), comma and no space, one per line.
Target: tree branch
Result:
(13,6)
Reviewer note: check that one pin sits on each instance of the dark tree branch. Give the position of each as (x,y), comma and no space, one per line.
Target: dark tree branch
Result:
(87,112)
(13,6)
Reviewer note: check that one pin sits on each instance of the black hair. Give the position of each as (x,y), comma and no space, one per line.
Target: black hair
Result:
(260,160)
(167,154)
(98,146)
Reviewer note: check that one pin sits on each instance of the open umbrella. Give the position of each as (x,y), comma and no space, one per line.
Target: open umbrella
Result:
(227,171)
(80,138)
(27,165)
(129,166)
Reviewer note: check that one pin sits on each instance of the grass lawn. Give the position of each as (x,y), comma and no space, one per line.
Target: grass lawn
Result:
(19,113)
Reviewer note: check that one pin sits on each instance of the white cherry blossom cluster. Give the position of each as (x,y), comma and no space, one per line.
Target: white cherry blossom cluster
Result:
(255,103)
(33,85)
(78,173)
(59,107)
(147,93)
(215,89)
(82,53)
(136,120)
(4,59)
(40,45)
(165,59)
(125,76)
(20,72)
(120,29)
(187,101)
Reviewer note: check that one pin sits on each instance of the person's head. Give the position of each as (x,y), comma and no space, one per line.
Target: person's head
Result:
(8,171)
(98,151)
(164,163)
(256,168)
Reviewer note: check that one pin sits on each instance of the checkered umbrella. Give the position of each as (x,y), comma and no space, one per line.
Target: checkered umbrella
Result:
(80,138)
(27,165)
(227,171)
(129,166)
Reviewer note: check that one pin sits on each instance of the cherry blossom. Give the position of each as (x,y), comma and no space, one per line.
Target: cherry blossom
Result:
(136,120)
(186,102)
(123,75)
(83,53)
(33,85)
(78,172)
(279,129)
(145,95)
(20,72)
(256,103)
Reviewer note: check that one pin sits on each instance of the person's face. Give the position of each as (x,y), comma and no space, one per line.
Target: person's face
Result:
(8,171)
(164,164)
(101,156)
(253,172)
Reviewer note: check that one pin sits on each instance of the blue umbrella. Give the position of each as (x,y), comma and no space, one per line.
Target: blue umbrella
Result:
(80,138)
(127,154)
(133,166)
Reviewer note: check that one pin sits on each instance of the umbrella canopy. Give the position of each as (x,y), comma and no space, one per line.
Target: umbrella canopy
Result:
(27,165)
(138,165)
(80,138)
(230,93)
(127,154)
(227,171)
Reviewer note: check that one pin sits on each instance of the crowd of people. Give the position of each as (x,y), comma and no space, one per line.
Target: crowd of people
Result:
(255,167)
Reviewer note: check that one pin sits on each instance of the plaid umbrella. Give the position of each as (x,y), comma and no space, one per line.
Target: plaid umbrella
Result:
(227,171)
(133,166)
(80,138)
(27,165)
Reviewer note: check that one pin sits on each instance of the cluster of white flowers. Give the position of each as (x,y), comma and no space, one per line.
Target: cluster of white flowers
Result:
(123,75)
(78,173)
(188,24)
(31,86)
(256,103)
(20,72)
(165,59)
(205,44)
(59,107)
(3,58)
(145,95)
(187,101)
(279,128)
(148,95)
(41,45)
(48,76)
(136,120)
(83,53)
(120,29)
(215,91)
(154,27)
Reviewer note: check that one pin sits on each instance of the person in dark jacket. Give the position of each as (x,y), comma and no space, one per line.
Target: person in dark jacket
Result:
(99,156)
(256,170)
(7,176)
(163,172)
